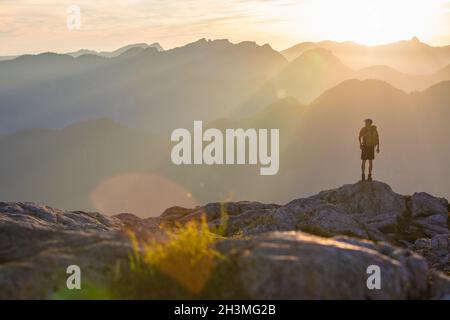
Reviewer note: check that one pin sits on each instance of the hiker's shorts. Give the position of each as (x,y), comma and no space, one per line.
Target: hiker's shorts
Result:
(367,152)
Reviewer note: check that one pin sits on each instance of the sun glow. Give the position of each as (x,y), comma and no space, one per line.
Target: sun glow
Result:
(27,26)
(370,22)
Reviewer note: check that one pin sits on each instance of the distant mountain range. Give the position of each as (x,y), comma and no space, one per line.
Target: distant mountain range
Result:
(202,80)
(316,70)
(408,56)
(106,54)
(205,79)
(116,53)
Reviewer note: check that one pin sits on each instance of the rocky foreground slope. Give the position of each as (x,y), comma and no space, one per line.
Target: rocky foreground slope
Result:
(312,248)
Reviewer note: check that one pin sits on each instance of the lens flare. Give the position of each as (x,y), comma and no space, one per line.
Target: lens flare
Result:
(143,194)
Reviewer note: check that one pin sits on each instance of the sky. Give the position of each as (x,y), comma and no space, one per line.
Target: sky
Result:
(30,26)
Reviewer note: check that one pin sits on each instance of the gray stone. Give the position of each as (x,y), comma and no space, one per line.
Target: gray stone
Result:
(38,243)
(440,243)
(354,226)
(440,288)
(422,243)
(296,265)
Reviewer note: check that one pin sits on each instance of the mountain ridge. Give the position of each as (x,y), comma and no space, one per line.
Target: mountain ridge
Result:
(409,56)
(131,88)
(317,70)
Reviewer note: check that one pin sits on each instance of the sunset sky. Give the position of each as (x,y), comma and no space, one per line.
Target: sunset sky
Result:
(30,26)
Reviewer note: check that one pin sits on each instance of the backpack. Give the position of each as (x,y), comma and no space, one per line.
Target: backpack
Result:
(371,136)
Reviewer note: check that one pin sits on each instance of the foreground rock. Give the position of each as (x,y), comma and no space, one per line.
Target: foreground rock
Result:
(38,243)
(436,251)
(364,210)
(274,255)
(296,265)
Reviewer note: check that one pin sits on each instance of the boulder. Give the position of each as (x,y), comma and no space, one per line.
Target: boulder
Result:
(441,286)
(296,265)
(322,218)
(436,250)
(38,243)
(364,210)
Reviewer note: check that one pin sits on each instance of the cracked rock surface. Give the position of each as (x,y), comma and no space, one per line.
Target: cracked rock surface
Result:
(310,248)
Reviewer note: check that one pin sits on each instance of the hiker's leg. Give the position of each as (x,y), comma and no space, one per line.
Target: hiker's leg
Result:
(370,166)
(363,166)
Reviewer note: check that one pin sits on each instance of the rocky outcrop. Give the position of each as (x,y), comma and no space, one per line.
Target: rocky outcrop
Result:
(364,210)
(296,265)
(38,243)
(436,250)
(429,215)
(310,248)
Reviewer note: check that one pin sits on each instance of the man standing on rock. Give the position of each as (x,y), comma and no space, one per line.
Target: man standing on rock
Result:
(368,140)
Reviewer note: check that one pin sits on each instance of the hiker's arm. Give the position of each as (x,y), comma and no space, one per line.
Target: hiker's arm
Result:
(378,143)
(360,138)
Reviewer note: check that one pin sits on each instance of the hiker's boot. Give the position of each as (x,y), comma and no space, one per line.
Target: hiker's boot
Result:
(369,178)
(363,177)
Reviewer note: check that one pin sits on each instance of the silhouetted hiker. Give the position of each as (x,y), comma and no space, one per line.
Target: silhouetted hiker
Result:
(368,140)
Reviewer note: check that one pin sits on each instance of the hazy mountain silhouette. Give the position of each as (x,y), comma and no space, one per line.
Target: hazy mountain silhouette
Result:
(69,163)
(318,147)
(202,80)
(406,82)
(409,56)
(205,79)
(106,54)
(304,78)
(4,58)
(117,52)
(317,70)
